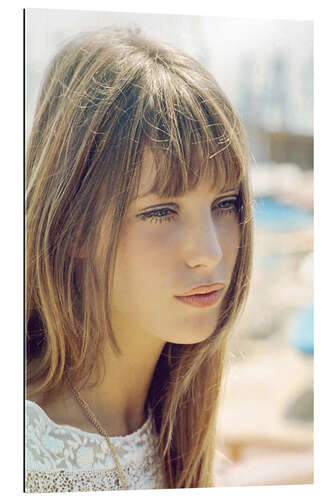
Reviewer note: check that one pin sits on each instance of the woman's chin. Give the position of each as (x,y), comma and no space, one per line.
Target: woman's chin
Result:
(192,336)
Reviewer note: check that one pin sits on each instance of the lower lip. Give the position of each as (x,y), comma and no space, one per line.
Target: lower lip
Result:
(201,300)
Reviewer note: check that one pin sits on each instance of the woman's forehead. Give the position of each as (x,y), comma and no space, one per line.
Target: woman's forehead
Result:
(149,171)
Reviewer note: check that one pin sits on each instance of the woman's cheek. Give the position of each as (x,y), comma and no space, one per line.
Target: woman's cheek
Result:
(229,237)
(154,238)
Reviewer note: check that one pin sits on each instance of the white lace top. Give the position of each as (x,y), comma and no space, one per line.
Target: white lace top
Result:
(61,458)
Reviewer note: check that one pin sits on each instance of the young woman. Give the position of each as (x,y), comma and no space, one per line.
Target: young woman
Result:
(138,261)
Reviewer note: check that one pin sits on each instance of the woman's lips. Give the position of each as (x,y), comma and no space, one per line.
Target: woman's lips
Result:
(203,296)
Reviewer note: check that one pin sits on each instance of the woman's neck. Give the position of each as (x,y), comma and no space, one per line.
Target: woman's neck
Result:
(119,401)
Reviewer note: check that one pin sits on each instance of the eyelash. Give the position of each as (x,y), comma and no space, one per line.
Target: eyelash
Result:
(234,208)
(152,216)
(166,214)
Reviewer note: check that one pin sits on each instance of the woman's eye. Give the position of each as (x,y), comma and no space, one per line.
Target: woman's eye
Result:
(158,215)
(227,206)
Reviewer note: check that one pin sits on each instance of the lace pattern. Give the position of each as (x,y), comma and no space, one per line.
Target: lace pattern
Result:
(63,458)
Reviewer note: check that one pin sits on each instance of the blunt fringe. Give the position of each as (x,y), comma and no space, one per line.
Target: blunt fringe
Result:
(106,98)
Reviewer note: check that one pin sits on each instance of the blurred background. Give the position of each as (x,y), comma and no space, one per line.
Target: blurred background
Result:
(265,430)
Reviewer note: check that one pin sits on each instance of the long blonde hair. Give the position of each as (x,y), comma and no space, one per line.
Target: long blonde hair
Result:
(106,97)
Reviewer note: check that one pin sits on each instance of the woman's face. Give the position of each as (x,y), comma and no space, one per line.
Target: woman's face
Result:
(174,262)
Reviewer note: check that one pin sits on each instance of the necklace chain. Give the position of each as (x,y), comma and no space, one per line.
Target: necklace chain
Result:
(93,419)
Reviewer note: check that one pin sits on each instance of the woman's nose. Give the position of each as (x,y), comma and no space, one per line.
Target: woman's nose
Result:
(203,247)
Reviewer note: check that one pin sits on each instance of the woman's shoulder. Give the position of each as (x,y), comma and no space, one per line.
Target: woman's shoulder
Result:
(52,446)
(42,442)
(63,458)
(35,418)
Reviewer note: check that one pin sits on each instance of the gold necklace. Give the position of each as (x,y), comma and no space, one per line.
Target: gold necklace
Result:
(93,419)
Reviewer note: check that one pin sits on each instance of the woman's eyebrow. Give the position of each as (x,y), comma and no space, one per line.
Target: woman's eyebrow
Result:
(230,189)
(146,194)
(153,191)
(228,192)
(156,205)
